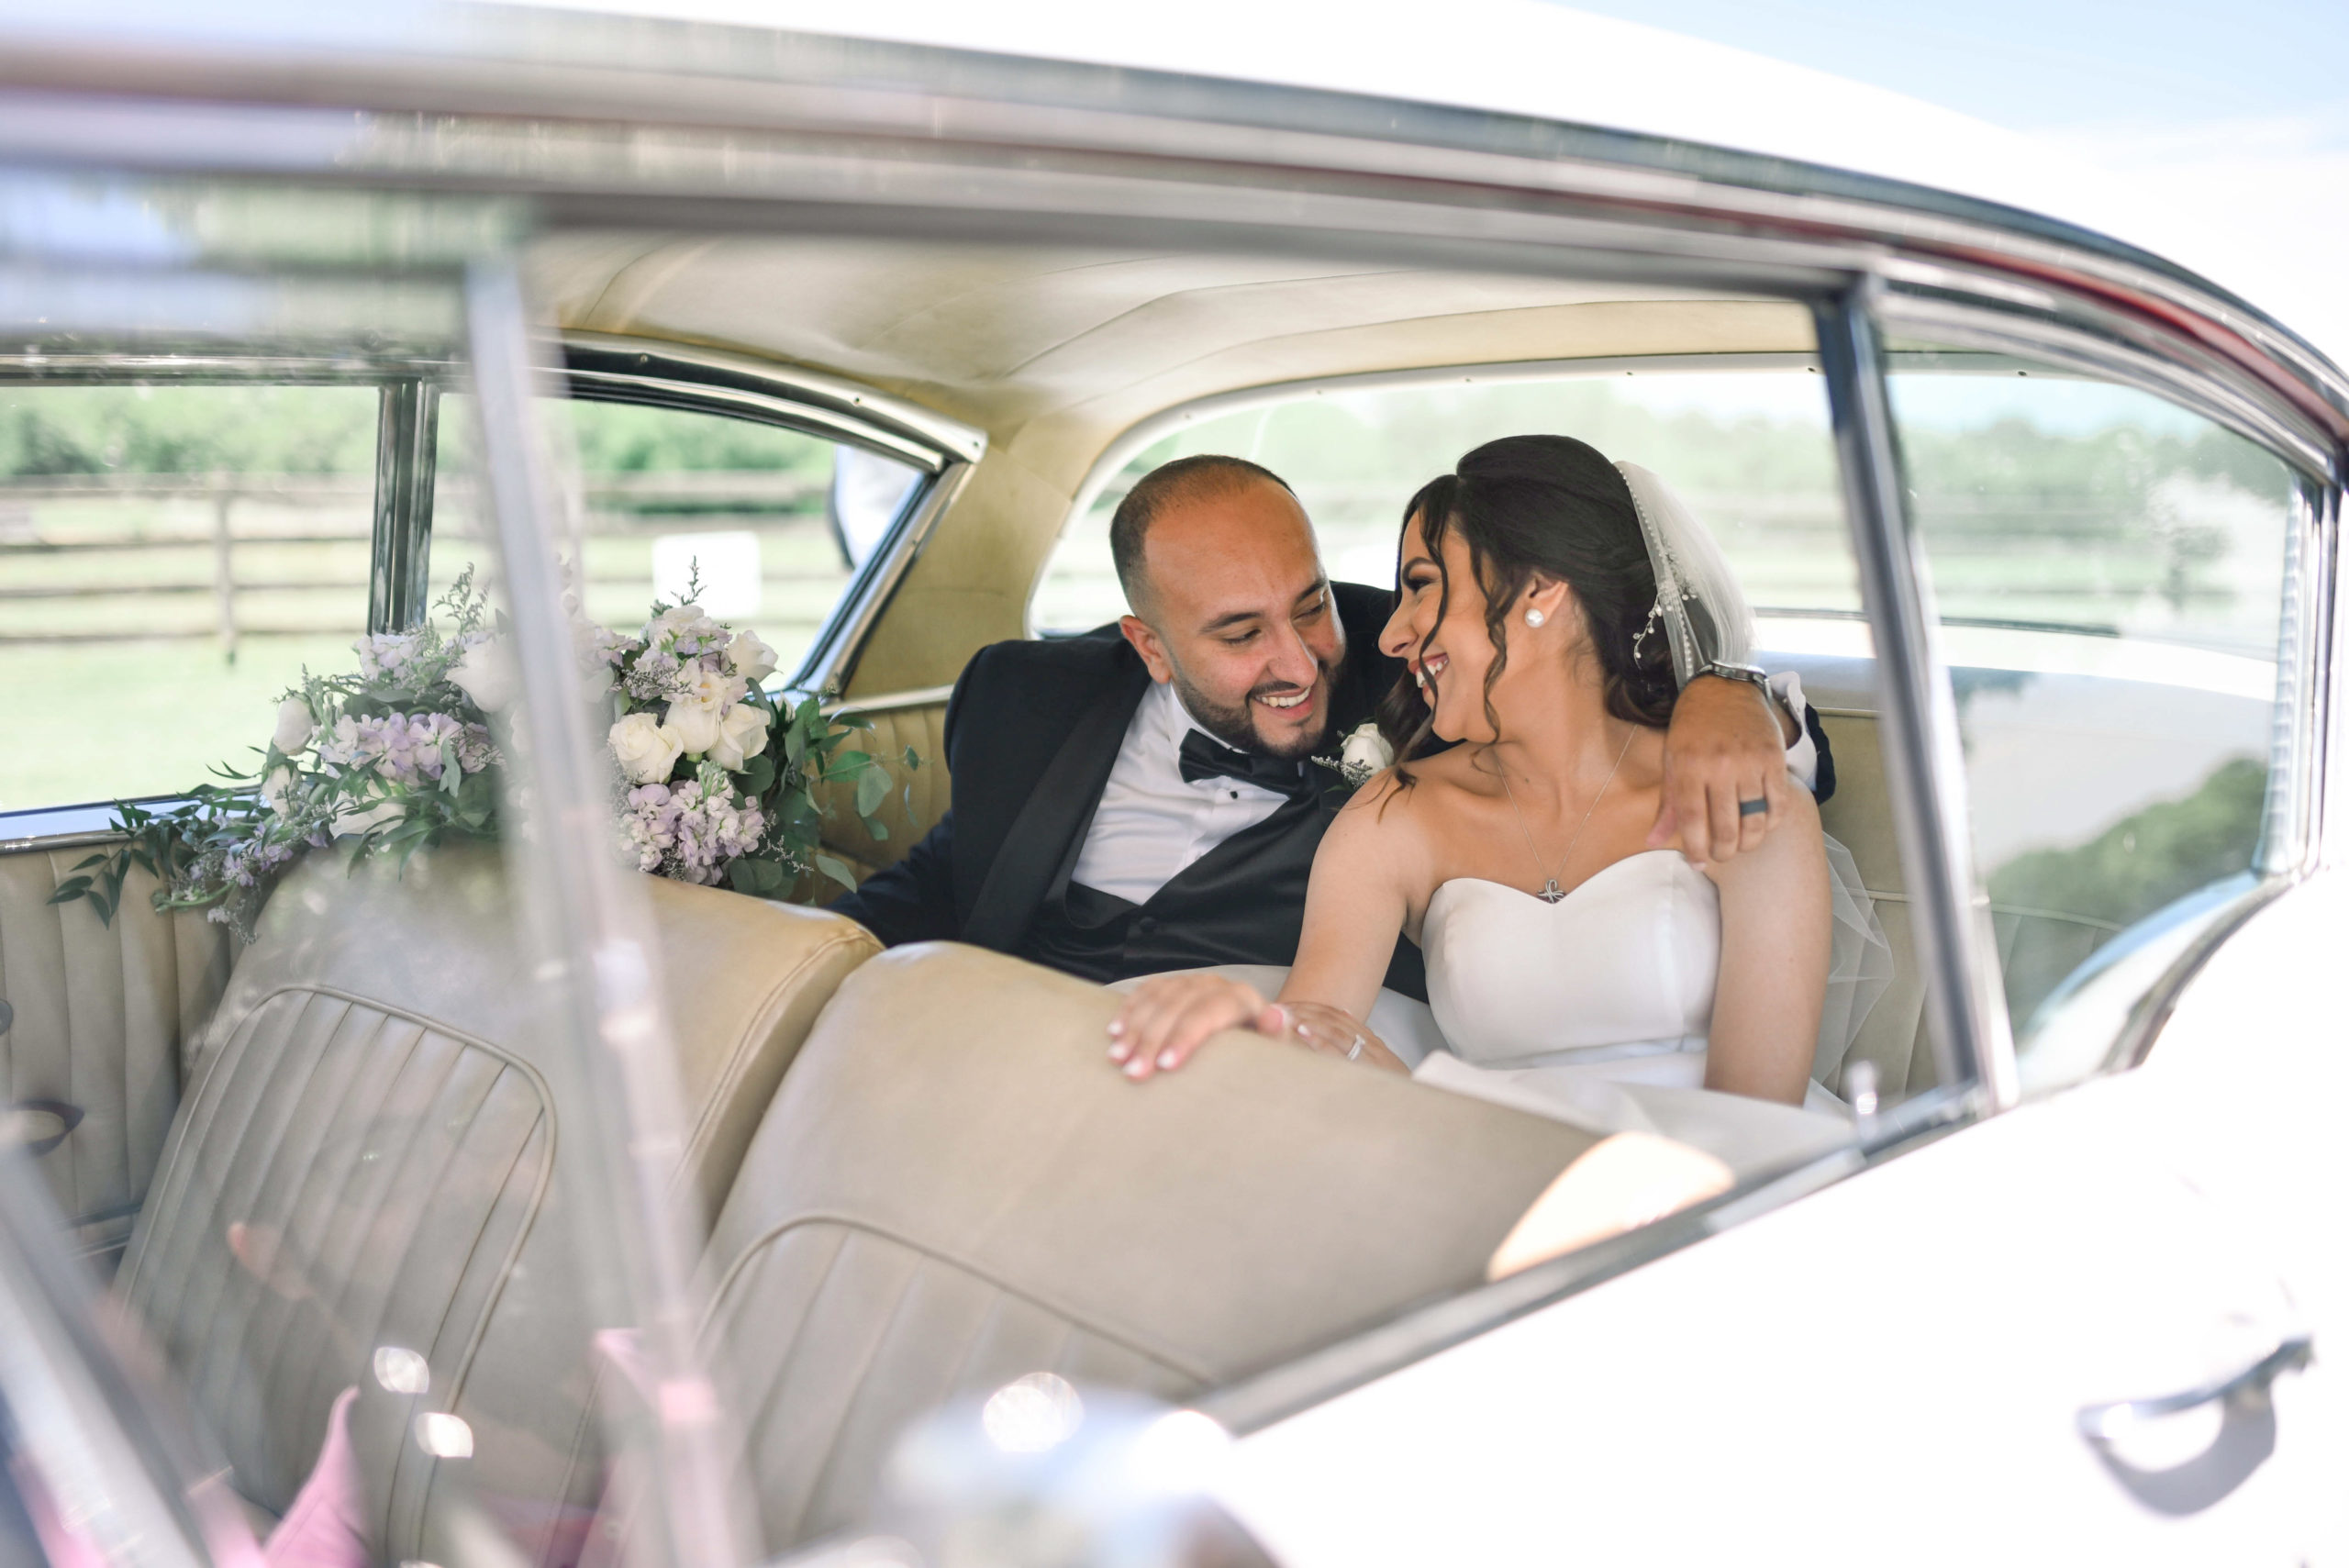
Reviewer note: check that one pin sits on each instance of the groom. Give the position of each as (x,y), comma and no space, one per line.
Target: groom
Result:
(1144,797)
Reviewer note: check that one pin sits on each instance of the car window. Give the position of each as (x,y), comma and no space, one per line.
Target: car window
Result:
(171,557)
(2110,572)
(775,522)
(1749,449)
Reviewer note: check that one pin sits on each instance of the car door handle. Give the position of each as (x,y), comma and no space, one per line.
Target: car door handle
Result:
(2106,1423)
(38,1126)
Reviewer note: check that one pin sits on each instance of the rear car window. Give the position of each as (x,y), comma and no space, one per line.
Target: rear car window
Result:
(772,524)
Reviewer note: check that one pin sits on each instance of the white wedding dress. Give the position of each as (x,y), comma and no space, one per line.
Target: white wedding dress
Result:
(1594,1010)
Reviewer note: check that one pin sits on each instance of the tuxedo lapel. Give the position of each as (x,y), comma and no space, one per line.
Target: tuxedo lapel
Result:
(1054,817)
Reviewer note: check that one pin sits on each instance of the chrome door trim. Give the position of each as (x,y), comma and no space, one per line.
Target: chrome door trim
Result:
(891,702)
(1924,757)
(860,414)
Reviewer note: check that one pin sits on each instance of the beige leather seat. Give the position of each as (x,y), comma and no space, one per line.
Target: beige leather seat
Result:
(103,1013)
(954,1188)
(368,1156)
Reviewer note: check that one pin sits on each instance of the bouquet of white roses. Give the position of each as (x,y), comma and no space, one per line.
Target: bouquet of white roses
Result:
(719,782)
(714,792)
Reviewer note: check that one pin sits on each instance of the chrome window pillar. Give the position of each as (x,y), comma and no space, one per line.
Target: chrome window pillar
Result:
(1924,762)
(597,970)
(406,434)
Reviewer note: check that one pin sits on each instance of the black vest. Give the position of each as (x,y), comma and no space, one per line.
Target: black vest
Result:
(1243,902)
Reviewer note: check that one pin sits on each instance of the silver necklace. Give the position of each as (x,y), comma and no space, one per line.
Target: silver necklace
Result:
(1551,892)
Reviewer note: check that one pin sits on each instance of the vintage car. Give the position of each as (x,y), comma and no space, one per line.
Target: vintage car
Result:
(663,1219)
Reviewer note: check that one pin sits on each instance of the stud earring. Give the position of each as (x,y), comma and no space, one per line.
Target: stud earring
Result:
(1534,618)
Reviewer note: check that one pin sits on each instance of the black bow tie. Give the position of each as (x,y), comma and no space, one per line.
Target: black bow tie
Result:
(1204,757)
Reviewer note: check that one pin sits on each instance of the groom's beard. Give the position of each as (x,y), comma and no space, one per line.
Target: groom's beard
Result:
(1236,725)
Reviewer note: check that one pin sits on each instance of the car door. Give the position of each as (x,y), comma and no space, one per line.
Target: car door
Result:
(2077,1329)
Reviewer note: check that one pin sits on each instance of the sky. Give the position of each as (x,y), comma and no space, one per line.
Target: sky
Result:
(2232,117)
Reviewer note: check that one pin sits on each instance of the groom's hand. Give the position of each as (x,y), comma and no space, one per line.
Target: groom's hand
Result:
(1727,746)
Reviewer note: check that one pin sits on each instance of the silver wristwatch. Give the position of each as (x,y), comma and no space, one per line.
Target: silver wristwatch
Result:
(1752,674)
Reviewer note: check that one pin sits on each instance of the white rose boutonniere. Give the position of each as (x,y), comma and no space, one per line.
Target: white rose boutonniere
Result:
(1361,756)
(646,750)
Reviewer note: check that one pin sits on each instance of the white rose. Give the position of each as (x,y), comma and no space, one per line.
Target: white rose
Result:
(1366,749)
(750,658)
(486,675)
(693,723)
(741,735)
(295,727)
(647,751)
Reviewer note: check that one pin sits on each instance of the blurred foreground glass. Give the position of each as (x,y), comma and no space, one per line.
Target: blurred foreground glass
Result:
(2115,581)
(396,1149)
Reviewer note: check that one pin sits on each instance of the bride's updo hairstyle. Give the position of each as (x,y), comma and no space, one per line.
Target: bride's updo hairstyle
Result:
(1549,505)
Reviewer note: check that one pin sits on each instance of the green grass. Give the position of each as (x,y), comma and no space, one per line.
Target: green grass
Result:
(99,721)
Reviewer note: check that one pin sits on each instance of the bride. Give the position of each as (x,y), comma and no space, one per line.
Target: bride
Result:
(1551,604)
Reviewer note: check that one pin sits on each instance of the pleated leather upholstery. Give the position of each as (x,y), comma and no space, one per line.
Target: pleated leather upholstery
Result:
(103,1013)
(954,1187)
(923,727)
(370,1155)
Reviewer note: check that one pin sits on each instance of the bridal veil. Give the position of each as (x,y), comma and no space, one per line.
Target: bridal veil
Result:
(1701,612)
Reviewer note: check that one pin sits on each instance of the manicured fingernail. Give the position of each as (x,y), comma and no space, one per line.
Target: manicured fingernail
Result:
(1117,1028)
(1120,1050)
(1166,1059)
(1138,1068)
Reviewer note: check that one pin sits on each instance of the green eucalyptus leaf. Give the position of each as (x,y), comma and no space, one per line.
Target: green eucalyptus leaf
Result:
(836,871)
(871,789)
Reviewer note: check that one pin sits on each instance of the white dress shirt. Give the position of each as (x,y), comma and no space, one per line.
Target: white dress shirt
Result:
(1151,824)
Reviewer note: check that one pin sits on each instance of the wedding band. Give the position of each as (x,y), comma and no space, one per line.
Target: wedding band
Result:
(1353,1051)
(1752,807)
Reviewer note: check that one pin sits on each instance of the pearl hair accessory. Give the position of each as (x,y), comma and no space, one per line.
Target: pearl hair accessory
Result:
(1534,618)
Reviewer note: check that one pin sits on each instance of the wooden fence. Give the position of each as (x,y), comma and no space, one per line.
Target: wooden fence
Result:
(102,557)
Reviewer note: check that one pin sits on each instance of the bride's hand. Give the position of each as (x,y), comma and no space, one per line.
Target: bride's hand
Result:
(1334,1032)
(1166,1018)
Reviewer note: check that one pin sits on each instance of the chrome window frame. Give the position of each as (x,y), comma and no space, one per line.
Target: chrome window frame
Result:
(648,371)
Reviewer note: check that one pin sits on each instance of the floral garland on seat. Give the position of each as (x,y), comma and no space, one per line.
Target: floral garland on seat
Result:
(718,779)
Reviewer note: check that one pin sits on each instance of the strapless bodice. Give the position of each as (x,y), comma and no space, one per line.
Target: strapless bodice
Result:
(1624,965)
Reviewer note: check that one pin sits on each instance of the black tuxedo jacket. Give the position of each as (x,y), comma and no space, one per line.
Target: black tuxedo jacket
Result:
(1033,731)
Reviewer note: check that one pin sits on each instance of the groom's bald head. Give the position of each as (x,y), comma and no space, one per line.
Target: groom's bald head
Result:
(1192,485)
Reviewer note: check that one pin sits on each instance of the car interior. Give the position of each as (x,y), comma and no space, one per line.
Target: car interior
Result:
(350,1134)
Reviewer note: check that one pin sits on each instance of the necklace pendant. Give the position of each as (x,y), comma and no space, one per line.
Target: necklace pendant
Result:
(1550,892)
